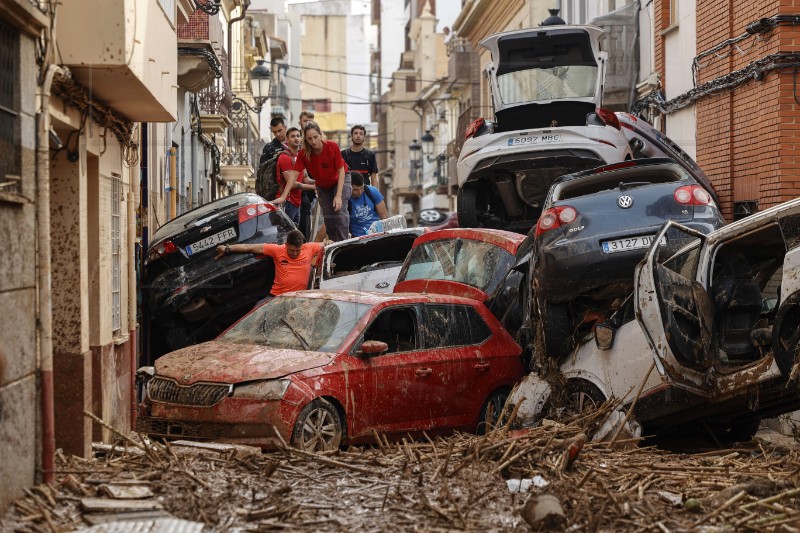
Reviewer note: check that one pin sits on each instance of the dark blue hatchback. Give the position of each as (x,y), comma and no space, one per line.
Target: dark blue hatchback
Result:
(596,225)
(191,297)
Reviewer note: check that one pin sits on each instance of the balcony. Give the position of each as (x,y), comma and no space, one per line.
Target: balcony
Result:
(462,67)
(199,62)
(129,61)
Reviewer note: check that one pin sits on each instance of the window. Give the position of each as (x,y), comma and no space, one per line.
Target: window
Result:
(673,12)
(116,245)
(9,109)
(411,84)
(397,327)
(453,325)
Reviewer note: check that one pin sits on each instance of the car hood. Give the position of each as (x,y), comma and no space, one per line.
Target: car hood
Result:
(444,287)
(235,363)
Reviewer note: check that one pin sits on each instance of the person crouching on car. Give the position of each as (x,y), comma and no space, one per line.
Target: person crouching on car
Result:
(366,205)
(293,261)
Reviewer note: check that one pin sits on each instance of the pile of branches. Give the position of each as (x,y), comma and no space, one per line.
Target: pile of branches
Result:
(545,477)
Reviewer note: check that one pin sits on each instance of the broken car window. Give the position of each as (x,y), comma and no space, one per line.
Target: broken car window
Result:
(305,324)
(555,83)
(479,264)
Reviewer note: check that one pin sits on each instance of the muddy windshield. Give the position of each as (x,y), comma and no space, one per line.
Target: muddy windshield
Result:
(555,83)
(306,324)
(479,264)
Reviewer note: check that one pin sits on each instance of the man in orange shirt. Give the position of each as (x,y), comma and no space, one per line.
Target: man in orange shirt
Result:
(293,261)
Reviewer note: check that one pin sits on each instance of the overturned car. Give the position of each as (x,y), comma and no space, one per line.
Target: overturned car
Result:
(711,334)
(547,90)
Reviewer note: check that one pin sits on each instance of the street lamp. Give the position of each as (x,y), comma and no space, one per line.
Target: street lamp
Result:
(427,144)
(415,150)
(260,82)
(209,6)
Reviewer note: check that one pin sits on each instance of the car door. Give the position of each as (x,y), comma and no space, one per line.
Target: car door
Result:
(386,391)
(674,309)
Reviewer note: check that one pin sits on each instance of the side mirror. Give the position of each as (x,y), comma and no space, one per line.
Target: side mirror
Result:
(145,374)
(604,336)
(373,347)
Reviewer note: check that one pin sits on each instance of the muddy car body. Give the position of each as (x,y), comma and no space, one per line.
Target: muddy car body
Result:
(547,88)
(319,368)
(596,225)
(711,334)
(367,263)
(192,297)
(487,265)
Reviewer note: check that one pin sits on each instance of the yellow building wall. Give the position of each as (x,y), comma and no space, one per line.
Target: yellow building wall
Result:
(324,60)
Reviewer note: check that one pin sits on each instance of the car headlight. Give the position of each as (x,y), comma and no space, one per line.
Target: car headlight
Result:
(272,389)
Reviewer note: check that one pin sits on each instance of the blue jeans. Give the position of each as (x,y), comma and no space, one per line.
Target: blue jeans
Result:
(293,211)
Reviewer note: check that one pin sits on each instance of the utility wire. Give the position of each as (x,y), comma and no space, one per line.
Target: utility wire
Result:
(375,76)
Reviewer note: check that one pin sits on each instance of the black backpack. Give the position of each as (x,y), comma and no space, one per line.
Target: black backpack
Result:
(266,179)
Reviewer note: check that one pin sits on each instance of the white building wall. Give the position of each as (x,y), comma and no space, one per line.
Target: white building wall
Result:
(393,41)
(679,47)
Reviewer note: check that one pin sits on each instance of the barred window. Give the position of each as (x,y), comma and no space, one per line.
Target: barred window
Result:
(116,249)
(9,109)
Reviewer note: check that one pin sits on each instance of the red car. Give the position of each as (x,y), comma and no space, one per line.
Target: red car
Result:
(322,368)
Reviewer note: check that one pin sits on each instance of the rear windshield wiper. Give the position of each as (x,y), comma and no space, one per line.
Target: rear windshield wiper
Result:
(204,215)
(624,186)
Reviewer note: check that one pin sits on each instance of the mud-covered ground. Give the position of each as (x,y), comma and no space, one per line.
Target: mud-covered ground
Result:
(458,483)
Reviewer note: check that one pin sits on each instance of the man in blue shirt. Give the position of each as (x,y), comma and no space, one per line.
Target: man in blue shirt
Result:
(366,205)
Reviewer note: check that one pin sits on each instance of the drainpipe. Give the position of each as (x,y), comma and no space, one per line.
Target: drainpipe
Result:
(44,282)
(133,179)
(173,186)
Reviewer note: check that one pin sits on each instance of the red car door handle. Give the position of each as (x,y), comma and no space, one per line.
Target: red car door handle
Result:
(424,371)
(482,366)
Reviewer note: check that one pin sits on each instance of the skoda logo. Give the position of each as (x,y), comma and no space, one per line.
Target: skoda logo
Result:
(186,378)
(624,202)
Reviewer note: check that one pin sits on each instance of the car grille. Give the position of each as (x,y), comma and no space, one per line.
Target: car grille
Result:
(199,394)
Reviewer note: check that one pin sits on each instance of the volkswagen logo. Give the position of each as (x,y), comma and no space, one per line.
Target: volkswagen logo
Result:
(625,202)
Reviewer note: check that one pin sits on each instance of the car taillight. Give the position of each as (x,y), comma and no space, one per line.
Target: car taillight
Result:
(692,195)
(473,127)
(251,211)
(608,117)
(615,166)
(555,217)
(163,248)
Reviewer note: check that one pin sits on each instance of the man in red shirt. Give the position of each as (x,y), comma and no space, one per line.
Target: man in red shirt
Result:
(288,171)
(293,261)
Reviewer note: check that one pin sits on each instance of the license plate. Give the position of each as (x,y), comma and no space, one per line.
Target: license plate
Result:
(211,240)
(535,139)
(630,243)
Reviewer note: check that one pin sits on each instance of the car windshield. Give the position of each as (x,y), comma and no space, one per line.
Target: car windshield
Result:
(555,83)
(306,324)
(479,264)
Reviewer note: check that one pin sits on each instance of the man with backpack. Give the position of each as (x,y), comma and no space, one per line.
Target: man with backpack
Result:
(359,158)
(289,176)
(366,205)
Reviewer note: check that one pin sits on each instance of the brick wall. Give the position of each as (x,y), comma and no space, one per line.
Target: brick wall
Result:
(748,139)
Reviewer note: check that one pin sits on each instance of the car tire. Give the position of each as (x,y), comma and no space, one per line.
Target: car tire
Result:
(557,329)
(743,431)
(318,427)
(786,335)
(468,207)
(493,406)
(583,396)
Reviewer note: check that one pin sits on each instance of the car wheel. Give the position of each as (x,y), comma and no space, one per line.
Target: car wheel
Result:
(431,216)
(468,207)
(490,413)
(583,396)
(786,338)
(743,431)
(318,427)
(557,329)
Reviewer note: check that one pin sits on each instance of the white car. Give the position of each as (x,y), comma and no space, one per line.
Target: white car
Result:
(547,90)
(711,334)
(368,263)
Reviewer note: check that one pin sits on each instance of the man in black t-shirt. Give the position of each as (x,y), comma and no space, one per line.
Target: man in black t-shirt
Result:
(278,127)
(359,158)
